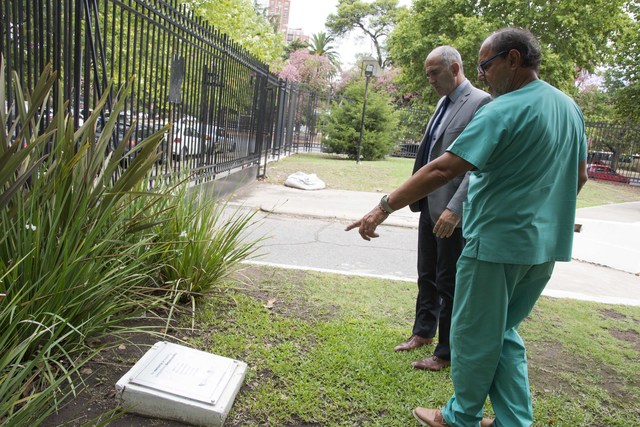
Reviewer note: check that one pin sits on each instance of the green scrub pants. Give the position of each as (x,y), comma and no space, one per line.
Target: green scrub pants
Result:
(487,354)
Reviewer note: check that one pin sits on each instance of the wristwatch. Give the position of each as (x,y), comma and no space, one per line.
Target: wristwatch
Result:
(384,204)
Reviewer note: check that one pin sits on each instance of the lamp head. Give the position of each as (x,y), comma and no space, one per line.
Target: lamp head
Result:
(368,71)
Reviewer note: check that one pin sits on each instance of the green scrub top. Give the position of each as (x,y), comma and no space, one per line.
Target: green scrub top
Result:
(525,146)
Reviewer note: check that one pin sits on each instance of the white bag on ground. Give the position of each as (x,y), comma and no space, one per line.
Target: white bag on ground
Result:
(304,181)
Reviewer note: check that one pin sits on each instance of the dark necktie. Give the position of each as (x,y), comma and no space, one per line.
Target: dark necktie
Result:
(434,126)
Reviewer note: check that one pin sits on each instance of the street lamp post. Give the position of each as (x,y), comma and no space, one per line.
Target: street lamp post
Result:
(368,72)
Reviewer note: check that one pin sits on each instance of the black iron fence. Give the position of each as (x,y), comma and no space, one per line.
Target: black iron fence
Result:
(226,109)
(613,151)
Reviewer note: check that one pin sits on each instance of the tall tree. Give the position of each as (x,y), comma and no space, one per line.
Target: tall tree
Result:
(573,34)
(246,25)
(627,67)
(321,44)
(375,20)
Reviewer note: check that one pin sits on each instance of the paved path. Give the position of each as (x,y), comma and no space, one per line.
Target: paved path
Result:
(306,231)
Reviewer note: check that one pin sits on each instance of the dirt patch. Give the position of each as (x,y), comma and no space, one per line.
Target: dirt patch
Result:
(549,363)
(546,360)
(276,175)
(101,375)
(629,336)
(612,314)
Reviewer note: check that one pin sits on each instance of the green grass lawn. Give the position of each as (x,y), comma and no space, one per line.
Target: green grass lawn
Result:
(320,353)
(384,176)
(344,174)
(320,346)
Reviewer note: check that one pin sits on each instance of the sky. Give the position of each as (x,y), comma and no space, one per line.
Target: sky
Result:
(310,15)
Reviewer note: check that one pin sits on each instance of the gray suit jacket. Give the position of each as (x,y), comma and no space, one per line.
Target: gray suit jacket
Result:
(452,194)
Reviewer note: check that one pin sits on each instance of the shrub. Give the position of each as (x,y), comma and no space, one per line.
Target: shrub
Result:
(200,241)
(341,127)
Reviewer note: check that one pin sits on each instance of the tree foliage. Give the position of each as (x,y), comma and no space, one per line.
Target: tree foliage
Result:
(309,70)
(617,96)
(627,71)
(573,34)
(412,124)
(240,20)
(291,47)
(321,44)
(596,105)
(375,20)
(341,127)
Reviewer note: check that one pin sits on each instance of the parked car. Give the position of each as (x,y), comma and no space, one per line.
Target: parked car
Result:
(187,139)
(605,173)
(191,137)
(224,143)
(631,158)
(599,157)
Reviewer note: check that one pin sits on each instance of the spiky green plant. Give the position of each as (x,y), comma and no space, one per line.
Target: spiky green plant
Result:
(74,258)
(208,241)
(85,245)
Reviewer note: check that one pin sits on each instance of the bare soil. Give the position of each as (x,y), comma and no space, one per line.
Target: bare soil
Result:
(100,376)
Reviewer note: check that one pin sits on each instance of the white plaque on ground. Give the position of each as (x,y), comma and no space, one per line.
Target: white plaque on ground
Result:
(179,383)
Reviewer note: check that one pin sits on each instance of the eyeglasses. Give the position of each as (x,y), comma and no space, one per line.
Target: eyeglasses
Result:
(483,65)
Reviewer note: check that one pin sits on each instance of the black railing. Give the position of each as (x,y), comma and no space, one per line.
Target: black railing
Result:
(613,151)
(226,109)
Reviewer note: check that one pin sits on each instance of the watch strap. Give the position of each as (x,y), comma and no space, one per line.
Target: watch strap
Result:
(384,204)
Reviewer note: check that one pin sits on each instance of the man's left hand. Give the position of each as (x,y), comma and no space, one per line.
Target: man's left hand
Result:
(368,224)
(446,224)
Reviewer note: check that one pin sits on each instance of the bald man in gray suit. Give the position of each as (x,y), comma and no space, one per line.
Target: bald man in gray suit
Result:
(440,240)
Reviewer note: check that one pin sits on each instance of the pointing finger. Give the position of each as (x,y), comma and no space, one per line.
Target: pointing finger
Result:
(353,225)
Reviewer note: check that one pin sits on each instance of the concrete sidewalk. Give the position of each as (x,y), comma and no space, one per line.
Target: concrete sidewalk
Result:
(606,266)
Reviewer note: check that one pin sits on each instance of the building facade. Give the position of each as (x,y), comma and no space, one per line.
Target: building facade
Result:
(279,13)
(296,34)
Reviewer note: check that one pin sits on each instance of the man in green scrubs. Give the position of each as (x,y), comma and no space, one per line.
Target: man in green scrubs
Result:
(527,154)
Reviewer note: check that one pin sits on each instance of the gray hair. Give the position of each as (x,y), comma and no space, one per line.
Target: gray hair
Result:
(523,41)
(448,56)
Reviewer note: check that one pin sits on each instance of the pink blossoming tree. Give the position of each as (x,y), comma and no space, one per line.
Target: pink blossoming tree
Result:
(305,68)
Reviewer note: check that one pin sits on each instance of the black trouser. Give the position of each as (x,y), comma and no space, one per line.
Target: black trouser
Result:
(437,260)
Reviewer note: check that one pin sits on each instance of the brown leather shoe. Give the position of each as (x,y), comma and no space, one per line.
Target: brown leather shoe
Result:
(433,363)
(414,342)
(433,418)
(429,417)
